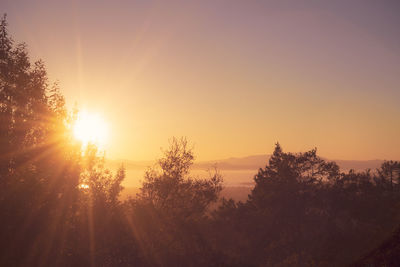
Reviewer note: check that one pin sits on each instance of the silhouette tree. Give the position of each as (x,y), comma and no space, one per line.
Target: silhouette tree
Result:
(41,168)
(303,211)
(171,208)
(388,172)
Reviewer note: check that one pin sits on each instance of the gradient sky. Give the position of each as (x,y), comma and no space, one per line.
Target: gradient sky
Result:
(232,76)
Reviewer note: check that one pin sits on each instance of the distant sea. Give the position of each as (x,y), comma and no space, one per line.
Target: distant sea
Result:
(242,178)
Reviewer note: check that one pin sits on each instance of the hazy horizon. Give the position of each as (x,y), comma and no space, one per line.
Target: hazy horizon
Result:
(240,157)
(236,171)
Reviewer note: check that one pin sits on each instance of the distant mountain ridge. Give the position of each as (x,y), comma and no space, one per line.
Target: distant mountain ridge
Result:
(253,162)
(260,161)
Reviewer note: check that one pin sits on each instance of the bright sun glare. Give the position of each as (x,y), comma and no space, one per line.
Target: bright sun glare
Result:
(90,128)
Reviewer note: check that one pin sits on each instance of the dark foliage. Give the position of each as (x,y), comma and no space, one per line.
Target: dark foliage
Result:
(387,254)
(303,211)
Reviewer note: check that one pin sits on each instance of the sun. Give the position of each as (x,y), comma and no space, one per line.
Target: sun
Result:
(90,128)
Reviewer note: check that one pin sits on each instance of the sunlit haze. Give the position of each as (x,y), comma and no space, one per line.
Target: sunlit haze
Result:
(234,77)
(91,128)
(200,133)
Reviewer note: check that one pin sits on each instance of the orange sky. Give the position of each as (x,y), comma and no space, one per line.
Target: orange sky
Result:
(232,76)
